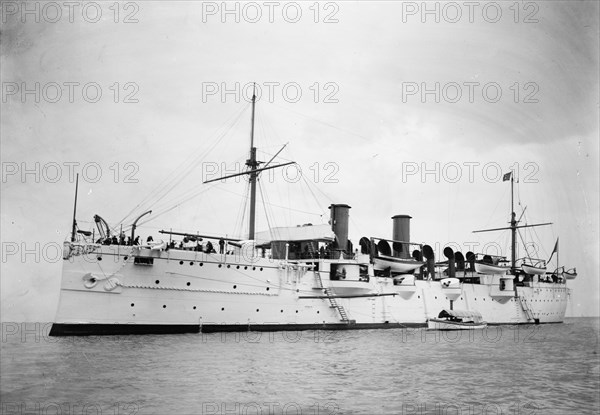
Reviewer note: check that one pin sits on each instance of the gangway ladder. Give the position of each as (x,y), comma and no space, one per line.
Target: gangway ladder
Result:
(526,308)
(332,302)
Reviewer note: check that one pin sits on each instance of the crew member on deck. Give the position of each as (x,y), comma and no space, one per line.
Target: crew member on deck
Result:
(221,245)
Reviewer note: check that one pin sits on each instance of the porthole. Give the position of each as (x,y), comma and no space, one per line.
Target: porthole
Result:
(180,262)
(99,258)
(257,310)
(188,284)
(253,268)
(157,282)
(125,258)
(194,307)
(228,266)
(222,308)
(132,304)
(245,267)
(191,262)
(202,264)
(282,311)
(238,267)
(261,268)
(296,311)
(234,287)
(220,265)
(267,288)
(164,306)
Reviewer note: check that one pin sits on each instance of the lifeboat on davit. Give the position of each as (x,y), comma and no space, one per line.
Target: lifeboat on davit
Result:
(397,262)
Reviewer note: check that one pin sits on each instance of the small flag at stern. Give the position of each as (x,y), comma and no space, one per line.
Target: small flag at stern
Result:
(507,176)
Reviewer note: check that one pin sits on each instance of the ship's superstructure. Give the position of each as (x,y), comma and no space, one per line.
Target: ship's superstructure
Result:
(305,277)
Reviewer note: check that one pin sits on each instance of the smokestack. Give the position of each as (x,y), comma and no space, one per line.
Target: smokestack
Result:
(401,232)
(339,225)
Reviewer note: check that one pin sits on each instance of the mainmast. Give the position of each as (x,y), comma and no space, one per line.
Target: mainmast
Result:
(253,164)
(513,224)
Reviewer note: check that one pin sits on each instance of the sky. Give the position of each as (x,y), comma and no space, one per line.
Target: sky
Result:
(390,107)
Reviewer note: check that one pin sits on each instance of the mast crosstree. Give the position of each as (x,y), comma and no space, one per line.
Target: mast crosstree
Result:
(513,225)
(253,171)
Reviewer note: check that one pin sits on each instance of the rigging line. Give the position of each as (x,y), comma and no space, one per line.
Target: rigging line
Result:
(273,204)
(308,185)
(524,245)
(173,176)
(182,198)
(191,161)
(164,189)
(325,123)
(245,208)
(160,213)
(260,189)
(269,206)
(197,160)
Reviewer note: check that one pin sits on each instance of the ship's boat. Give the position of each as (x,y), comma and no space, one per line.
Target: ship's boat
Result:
(570,274)
(457,320)
(383,262)
(392,255)
(486,268)
(534,270)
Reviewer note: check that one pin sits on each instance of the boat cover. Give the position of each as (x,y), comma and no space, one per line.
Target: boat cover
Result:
(459,314)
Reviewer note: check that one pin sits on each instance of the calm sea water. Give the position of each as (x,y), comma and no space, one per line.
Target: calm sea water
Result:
(546,369)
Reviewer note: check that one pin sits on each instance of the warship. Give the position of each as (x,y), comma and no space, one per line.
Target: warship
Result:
(292,278)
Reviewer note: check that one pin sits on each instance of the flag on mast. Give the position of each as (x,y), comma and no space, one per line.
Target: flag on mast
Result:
(507,176)
(554,251)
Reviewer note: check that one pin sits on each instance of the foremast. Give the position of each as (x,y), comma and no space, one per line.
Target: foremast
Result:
(253,171)
(252,165)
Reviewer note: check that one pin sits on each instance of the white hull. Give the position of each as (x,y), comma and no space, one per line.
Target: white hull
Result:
(214,292)
(435,324)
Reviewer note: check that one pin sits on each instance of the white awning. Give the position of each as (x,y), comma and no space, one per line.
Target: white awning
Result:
(321,233)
